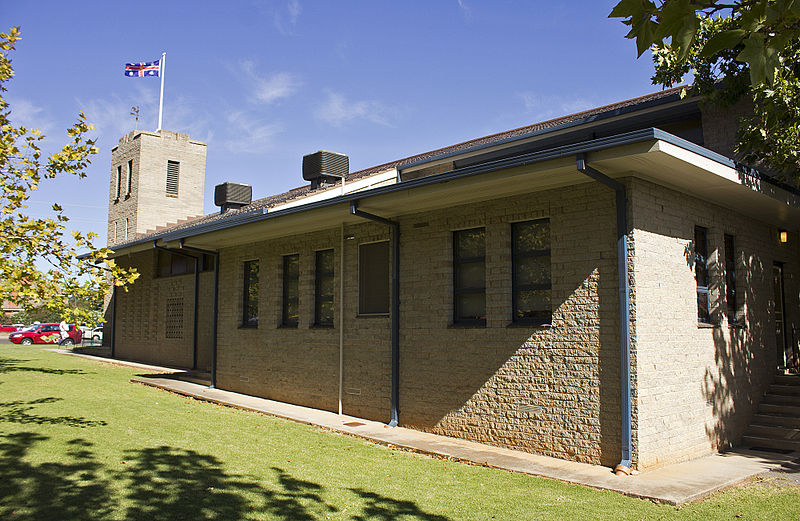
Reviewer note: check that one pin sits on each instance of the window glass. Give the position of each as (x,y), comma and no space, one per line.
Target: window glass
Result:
(323,284)
(250,294)
(531,272)
(701,273)
(469,276)
(291,295)
(730,279)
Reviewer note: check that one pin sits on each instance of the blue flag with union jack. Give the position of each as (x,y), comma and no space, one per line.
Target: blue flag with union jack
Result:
(142,69)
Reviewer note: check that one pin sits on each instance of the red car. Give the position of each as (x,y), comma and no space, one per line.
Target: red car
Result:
(46,334)
(10,328)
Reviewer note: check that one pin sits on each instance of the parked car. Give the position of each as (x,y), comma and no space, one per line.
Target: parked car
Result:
(10,328)
(96,334)
(46,334)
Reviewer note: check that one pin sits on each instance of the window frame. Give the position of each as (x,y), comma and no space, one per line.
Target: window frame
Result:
(731,295)
(703,315)
(130,178)
(119,183)
(361,311)
(320,299)
(167,190)
(285,322)
(459,262)
(516,288)
(248,320)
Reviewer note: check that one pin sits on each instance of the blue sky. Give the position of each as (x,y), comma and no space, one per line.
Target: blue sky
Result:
(265,82)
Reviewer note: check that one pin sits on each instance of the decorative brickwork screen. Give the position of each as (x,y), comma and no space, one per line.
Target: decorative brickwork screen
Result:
(174,319)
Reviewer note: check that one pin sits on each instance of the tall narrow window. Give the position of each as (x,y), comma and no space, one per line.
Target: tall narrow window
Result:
(469,276)
(323,289)
(173,170)
(250,295)
(730,279)
(531,280)
(291,286)
(130,177)
(127,225)
(119,181)
(701,273)
(373,278)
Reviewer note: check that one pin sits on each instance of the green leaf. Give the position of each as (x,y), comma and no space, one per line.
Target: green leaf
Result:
(723,40)
(753,54)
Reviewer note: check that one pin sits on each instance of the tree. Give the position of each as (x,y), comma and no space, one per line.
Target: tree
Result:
(68,279)
(741,49)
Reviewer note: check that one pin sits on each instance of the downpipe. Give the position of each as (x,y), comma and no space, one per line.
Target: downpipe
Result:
(624,466)
(395,406)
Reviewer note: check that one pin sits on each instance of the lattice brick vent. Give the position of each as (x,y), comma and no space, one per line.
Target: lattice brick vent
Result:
(174,318)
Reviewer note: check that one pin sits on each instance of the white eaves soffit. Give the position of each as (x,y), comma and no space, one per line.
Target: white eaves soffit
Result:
(691,173)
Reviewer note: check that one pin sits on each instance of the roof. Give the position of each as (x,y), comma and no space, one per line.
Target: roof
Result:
(259,205)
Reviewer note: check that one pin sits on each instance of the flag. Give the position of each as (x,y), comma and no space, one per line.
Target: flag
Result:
(142,69)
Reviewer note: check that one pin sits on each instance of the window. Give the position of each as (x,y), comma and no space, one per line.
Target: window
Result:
(119,181)
(291,290)
(127,225)
(701,273)
(250,295)
(173,169)
(373,278)
(531,280)
(469,276)
(168,265)
(730,279)
(130,177)
(323,289)
(115,231)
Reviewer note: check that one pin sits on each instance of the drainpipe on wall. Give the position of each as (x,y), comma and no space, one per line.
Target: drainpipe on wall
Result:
(113,317)
(624,466)
(196,296)
(215,308)
(395,410)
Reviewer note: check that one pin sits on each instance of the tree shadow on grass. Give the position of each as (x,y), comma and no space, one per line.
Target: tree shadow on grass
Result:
(67,489)
(17,411)
(8,365)
(383,508)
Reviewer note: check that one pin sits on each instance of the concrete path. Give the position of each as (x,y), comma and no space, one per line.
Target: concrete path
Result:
(673,484)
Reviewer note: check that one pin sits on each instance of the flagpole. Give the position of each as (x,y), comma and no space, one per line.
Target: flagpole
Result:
(161,98)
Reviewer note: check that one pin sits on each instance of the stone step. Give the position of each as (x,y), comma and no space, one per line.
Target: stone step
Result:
(773,431)
(784,390)
(780,399)
(783,410)
(772,443)
(777,419)
(787,379)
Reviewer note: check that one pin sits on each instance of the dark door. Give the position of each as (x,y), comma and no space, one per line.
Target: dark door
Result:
(781,343)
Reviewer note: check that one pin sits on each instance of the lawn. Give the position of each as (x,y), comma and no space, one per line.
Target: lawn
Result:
(78,441)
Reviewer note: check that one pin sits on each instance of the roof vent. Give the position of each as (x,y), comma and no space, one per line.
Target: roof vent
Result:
(232,196)
(324,167)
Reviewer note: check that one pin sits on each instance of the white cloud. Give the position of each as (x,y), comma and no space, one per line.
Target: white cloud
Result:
(250,136)
(466,10)
(25,113)
(336,110)
(548,107)
(286,20)
(269,89)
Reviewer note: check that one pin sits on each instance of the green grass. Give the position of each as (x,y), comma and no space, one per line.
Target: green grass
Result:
(79,442)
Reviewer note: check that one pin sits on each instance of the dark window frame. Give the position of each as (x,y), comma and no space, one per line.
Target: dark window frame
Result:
(458,264)
(516,287)
(119,183)
(731,297)
(701,274)
(250,297)
(319,298)
(286,300)
(363,280)
(130,177)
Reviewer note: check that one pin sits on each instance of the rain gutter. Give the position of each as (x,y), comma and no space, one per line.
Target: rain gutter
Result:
(395,405)
(624,466)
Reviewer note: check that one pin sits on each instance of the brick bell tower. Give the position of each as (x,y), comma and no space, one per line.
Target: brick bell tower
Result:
(157,179)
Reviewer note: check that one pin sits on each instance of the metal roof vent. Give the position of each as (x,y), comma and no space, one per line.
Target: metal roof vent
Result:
(232,196)
(324,167)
